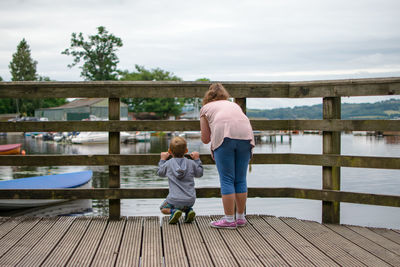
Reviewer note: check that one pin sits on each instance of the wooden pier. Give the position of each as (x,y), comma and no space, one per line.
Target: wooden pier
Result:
(147,241)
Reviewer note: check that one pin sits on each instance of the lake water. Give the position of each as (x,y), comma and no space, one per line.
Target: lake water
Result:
(379,181)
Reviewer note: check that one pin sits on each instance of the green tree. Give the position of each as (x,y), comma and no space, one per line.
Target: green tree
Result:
(98,54)
(163,107)
(22,66)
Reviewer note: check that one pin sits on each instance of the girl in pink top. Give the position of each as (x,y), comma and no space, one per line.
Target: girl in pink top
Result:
(224,124)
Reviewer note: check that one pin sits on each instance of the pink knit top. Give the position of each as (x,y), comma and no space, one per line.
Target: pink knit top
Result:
(225,119)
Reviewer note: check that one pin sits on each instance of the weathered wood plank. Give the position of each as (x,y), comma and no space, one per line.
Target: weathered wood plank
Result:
(375,249)
(152,159)
(303,245)
(289,253)
(316,237)
(263,250)
(13,231)
(86,249)
(122,193)
(388,233)
(219,251)
(196,249)
(352,249)
(151,245)
(108,249)
(27,242)
(106,89)
(376,238)
(174,250)
(8,225)
(243,254)
(129,253)
(194,125)
(43,248)
(67,245)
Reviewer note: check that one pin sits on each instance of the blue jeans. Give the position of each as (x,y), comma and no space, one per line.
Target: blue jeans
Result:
(232,159)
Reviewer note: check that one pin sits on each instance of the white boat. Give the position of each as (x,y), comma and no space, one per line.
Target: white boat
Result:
(142,136)
(192,134)
(96,137)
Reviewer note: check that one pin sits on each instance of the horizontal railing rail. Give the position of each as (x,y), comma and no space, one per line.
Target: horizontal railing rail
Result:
(153,159)
(331,125)
(117,89)
(194,125)
(202,192)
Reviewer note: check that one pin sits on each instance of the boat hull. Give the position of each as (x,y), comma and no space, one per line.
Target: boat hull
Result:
(67,180)
(11,149)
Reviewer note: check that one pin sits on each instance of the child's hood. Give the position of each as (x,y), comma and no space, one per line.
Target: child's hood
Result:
(179,167)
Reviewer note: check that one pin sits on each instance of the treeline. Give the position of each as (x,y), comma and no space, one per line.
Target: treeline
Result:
(96,56)
(389,109)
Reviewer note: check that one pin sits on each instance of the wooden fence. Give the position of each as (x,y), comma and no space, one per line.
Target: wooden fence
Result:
(331,159)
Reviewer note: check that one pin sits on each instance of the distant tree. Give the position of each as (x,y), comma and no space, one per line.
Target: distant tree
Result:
(22,66)
(1,79)
(98,54)
(163,107)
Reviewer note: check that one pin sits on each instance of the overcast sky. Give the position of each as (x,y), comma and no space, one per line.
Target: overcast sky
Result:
(285,40)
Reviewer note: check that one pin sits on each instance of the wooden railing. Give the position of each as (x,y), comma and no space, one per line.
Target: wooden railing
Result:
(331,160)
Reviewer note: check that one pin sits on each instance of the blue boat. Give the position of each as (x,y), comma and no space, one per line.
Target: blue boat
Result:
(65,180)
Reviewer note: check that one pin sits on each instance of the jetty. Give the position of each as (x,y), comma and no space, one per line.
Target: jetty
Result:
(149,241)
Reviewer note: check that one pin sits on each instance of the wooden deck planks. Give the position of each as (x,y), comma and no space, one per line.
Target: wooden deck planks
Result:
(218,249)
(389,234)
(286,250)
(196,250)
(243,254)
(322,241)
(108,249)
(174,250)
(42,248)
(129,252)
(262,249)
(143,241)
(376,238)
(302,244)
(375,249)
(84,253)
(67,245)
(356,251)
(151,246)
(19,249)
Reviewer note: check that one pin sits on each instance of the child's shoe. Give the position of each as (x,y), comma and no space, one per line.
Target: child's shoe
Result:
(189,216)
(223,223)
(241,222)
(174,218)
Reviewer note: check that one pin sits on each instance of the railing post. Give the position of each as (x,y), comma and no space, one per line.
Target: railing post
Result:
(331,175)
(242,103)
(114,148)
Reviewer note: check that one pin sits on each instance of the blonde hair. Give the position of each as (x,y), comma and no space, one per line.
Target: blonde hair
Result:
(215,92)
(178,146)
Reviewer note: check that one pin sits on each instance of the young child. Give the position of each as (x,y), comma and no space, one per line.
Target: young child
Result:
(180,172)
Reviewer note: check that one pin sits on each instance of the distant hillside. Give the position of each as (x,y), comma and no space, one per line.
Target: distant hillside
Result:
(389,109)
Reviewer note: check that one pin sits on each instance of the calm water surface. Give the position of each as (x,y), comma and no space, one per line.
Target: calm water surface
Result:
(379,181)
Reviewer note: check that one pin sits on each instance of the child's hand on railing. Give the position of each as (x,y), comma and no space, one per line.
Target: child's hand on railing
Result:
(195,155)
(164,155)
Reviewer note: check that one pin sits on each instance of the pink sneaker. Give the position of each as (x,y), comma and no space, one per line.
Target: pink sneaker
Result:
(241,222)
(222,223)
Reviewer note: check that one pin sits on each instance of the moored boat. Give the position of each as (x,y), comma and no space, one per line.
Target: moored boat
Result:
(65,180)
(10,149)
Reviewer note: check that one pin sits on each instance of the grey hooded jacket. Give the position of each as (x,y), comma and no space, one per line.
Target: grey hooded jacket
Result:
(180,173)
